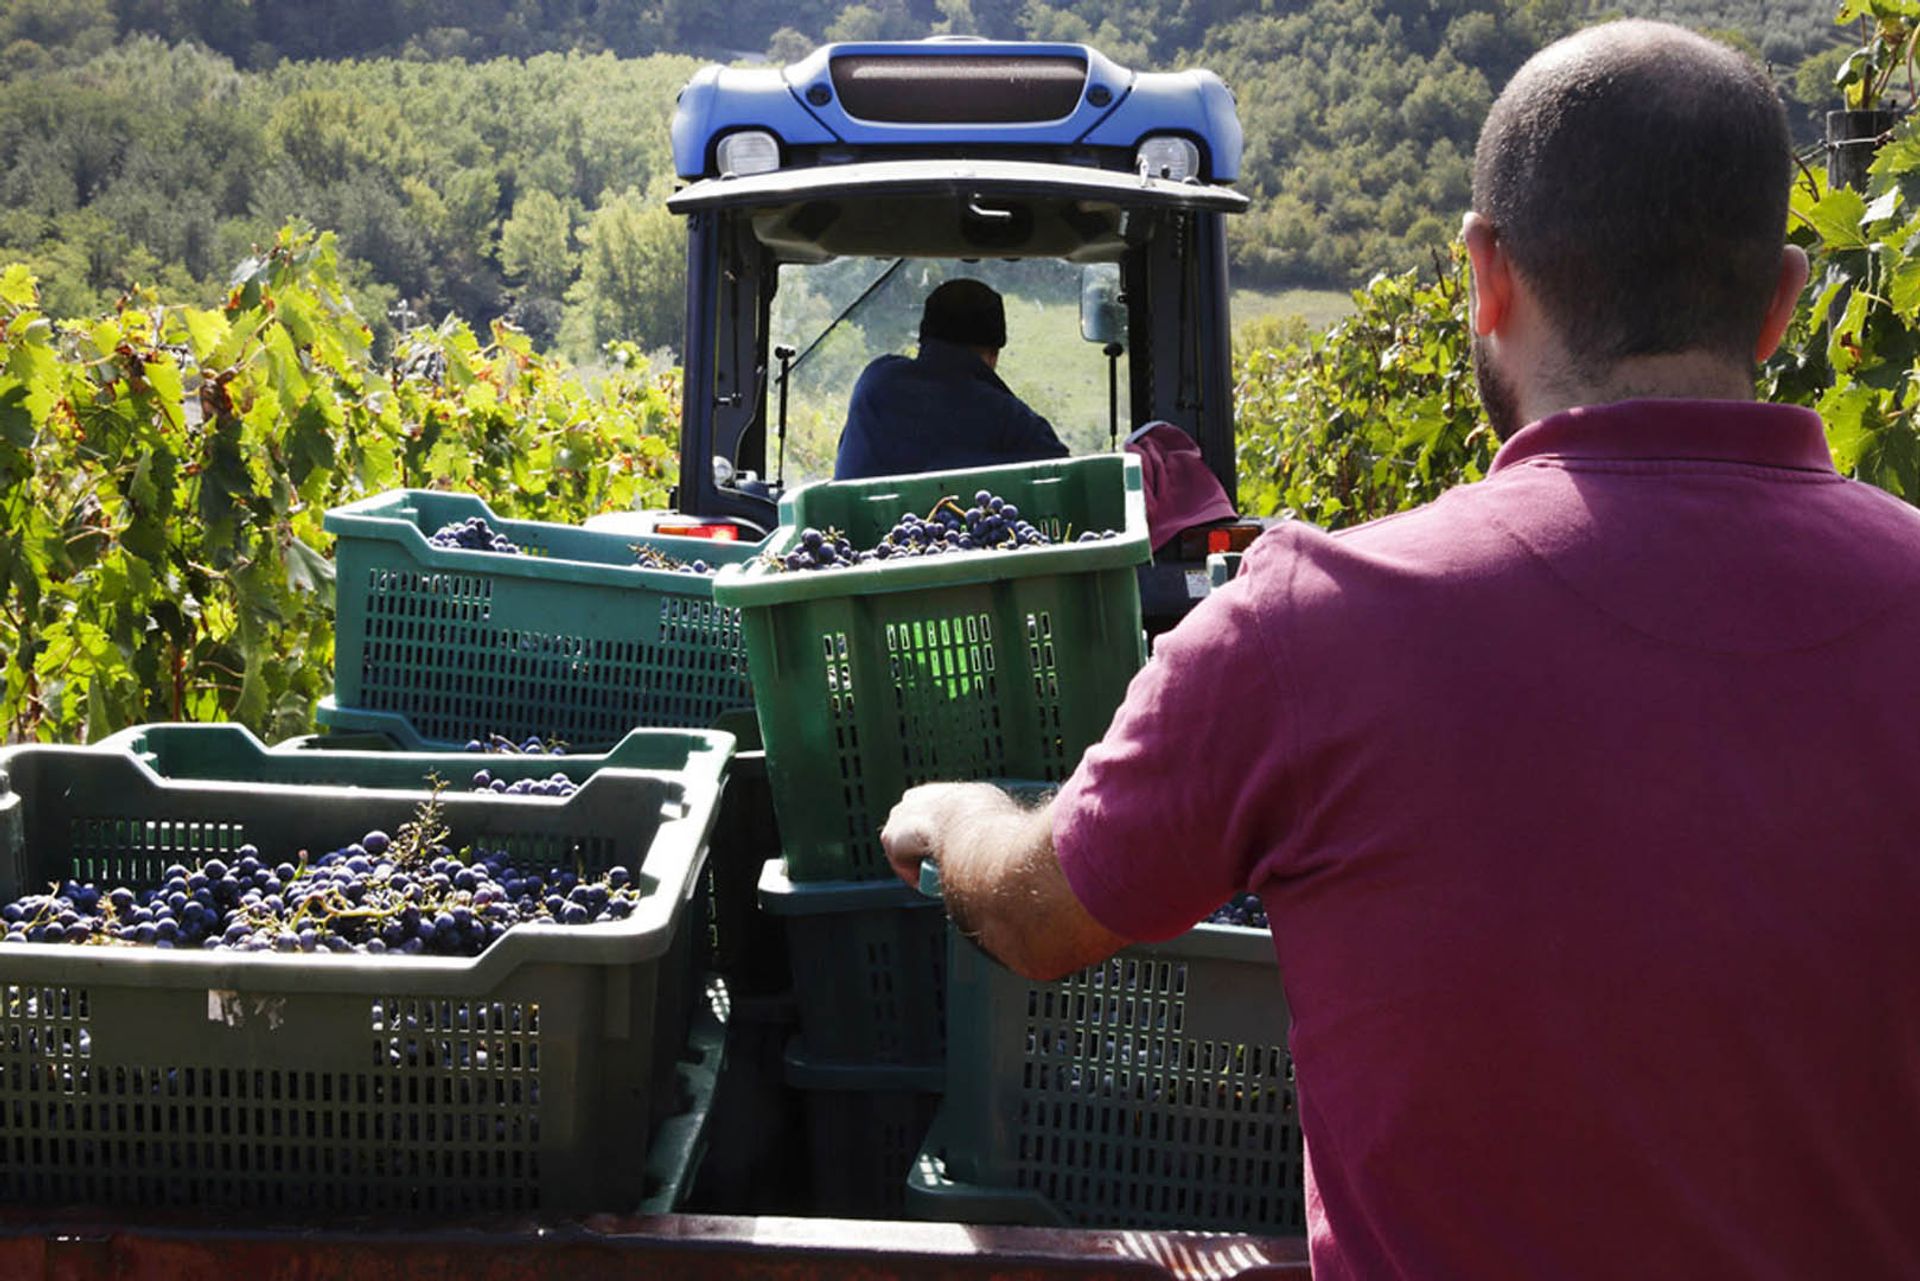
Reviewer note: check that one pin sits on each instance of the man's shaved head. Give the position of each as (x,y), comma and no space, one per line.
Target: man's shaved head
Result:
(1636,175)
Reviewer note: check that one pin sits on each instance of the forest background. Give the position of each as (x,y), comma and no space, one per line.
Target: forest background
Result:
(258,260)
(489,158)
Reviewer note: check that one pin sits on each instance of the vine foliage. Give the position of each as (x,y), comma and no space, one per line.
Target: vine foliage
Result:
(1379,415)
(164,471)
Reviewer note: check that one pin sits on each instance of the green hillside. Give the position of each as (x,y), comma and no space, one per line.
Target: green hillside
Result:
(507,157)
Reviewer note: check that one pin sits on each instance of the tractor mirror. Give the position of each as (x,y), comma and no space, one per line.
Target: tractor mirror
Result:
(1103,316)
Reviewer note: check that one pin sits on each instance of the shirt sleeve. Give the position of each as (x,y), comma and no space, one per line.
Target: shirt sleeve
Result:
(1176,809)
(1033,437)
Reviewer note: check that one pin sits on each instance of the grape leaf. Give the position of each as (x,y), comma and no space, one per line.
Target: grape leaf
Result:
(18,287)
(307,569)
(206,330)
(1837,216)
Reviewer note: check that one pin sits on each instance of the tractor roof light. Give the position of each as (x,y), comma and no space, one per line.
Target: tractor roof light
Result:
(1168,156)
(749,151)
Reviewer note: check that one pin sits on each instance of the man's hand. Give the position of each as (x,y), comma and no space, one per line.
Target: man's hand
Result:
(1000,878)
(926,818)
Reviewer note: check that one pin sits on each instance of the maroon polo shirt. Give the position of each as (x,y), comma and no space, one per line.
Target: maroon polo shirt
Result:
(1585,803)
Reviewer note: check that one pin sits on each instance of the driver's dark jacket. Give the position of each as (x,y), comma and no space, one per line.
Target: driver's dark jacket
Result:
(940,410)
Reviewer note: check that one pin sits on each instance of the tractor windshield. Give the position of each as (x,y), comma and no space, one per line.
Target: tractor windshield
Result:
(877,301)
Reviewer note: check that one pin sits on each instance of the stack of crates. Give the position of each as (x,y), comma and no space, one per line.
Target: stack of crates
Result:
(563,1069)
(1151,1091)
(871,679)
(580,637)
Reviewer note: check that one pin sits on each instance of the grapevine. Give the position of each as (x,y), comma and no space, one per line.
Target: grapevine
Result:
(169,469)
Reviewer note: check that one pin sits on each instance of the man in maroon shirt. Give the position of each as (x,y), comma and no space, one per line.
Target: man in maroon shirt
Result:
(1582,801)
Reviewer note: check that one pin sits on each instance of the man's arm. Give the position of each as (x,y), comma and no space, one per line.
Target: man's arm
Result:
(1003,884)
(1164,819)
(1025,433)
(1034,436)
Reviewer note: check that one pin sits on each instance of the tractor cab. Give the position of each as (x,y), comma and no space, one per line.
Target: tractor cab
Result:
(826,199)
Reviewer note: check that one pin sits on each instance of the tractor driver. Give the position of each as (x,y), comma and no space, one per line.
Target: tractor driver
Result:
(946,407)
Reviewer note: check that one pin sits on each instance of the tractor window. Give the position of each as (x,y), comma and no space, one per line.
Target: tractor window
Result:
(1045,362)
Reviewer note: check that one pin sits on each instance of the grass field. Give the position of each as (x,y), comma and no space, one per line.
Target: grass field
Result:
(1320,308)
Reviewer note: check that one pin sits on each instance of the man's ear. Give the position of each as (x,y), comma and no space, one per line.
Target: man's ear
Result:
(1492,292)
(1786,296)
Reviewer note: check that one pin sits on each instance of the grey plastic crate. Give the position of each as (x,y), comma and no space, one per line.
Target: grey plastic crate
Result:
(529,1077)
(1153,1090)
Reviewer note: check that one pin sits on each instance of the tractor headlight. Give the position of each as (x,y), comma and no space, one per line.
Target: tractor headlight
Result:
(749,151)
(1168,156)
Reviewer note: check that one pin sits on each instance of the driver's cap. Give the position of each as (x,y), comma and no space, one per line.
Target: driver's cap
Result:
(966,312)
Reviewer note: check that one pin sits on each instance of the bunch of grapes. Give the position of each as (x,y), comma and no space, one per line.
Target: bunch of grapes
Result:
(822,551)
(372,896)
(992,523)
(1242,909)
(474,535)
(554,785)
(531,745)
(654,558)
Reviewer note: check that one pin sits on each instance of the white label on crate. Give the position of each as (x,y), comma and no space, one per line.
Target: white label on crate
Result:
(1198,585)
(237,1009)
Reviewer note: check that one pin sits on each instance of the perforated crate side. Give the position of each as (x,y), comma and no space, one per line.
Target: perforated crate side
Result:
(1151,1091)
(869,695)
(869,961)
(872,679)
(865,1125)
(571,641)
(522,1079)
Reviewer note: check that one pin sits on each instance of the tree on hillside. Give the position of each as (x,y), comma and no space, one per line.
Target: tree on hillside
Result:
(880,20)
(77,28)
(790,45)
(535,244)
(633,276)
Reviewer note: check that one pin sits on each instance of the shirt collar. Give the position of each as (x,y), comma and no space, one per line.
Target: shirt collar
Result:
(950,355)
(1731,431)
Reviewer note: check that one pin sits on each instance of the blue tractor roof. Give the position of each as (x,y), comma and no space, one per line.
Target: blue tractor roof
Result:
(942,93)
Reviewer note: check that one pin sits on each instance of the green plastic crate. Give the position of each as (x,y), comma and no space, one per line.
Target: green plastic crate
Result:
(869,961)
(871,679)
(570,640)
(740,944)
(1153,1090)
(865,1125)
(525,1079)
